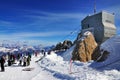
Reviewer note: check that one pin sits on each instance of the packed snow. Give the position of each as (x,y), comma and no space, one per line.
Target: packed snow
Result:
(68,54)
(15,72)
(112,45)
(56,67)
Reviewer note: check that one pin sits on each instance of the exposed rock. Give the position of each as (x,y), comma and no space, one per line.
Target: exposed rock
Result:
(96,54)
(103,56)
(85,47)
(58,46)
(65,45)
(100,55)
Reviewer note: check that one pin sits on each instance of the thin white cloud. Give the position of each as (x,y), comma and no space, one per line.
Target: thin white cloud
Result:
(31,34)
(5,23)
(42,19)
(45,18)
(41,34)
(28,42)
(23,36)
(56,15)
(41,42)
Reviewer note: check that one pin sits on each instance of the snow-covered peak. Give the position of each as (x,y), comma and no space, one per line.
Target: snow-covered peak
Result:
(82,36)
(2,49)
(87,33)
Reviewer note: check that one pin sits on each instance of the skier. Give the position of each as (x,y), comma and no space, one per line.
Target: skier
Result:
(24,61)
(43,52)
(49,52)
(2,61)
(18,56)
(20,60)
(28,60)
(9,60)
(13,58)
(36,54)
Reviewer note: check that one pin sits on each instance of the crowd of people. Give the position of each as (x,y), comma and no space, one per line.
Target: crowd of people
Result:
(19,59)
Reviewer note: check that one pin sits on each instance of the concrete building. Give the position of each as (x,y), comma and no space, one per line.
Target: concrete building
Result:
(100,24)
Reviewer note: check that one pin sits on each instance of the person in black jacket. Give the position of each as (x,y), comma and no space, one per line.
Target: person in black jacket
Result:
(28,60)
(2,61)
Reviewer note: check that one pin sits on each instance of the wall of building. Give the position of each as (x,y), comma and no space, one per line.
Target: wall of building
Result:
(94,21)
(108,23)
(103,24)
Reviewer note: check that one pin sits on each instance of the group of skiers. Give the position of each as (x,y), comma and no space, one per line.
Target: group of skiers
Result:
(23,60)
(26,60)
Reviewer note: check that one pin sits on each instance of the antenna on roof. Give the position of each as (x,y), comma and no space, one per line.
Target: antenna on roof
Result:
(94,6)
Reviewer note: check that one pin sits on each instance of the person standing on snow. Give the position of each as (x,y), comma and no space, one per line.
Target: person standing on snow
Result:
(20,61)
(13,56)
(9,60)
(2,61)
(49,52)
(36,54)
(43,52)
(28,60)
(24,61)
(18,56)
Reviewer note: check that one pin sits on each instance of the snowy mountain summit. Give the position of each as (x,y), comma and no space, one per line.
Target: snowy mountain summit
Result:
(107,53)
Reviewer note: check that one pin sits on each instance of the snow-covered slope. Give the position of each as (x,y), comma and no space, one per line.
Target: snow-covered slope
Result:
(112,45)
(15,72)
(54,67)
(68,54)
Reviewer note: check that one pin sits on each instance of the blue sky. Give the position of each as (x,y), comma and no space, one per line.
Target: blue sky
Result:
(49,21)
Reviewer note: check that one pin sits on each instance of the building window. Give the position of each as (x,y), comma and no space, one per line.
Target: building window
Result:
(108,21)
(88,26)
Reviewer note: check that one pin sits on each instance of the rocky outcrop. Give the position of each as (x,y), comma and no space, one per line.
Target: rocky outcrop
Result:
(65,45)
(96,54)
(100,55)
(58,46)
(103,56)
(85,46)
